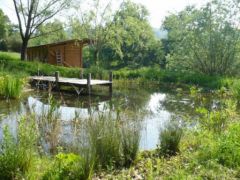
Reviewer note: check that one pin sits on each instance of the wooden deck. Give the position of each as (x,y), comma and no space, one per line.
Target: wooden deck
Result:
(58,81)
(70,81)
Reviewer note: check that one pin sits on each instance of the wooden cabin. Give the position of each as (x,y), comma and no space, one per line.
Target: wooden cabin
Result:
(65,53)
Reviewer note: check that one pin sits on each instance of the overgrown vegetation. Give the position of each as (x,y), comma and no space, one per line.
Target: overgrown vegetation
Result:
(202,49)
(10,86)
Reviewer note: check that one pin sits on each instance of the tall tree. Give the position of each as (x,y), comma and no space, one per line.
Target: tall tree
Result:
(131,39)
(49,32)
(31,14)
(5,26)
(94,20)
(205,39)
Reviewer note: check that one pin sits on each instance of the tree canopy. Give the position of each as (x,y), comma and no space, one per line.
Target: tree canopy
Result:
(205,39)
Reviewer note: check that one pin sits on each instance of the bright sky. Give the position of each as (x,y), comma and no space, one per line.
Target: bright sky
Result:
(158,9)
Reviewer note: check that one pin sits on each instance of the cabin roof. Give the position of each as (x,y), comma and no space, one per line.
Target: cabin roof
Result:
(82,41)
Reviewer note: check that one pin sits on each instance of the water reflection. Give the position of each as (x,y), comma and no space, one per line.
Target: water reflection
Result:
(154,107)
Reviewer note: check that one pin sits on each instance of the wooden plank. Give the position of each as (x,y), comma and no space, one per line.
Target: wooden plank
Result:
(73,81)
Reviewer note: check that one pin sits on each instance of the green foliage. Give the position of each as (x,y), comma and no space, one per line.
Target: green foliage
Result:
(235,90)
(130,143)
(113,142)
(11,87)
(17,154)
(228,149)
(169,141)
(130,40)
(177,77)
(49,33)
(9,56)
(68,166)
(204,39)
(105,143)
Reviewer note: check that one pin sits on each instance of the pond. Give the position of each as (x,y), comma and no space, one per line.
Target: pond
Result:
(155,108)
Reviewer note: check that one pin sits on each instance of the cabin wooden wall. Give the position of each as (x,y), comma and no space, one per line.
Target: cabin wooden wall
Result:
(71,54)
(37,53)
(52,50)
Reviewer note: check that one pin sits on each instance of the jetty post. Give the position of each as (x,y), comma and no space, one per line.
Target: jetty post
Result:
(110,80)
(89,83)
(57,74)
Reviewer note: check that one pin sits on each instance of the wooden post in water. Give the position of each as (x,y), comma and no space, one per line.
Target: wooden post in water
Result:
(57,80)
(89,83)
(110,80)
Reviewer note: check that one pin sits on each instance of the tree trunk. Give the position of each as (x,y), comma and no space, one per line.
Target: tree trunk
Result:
(24,49)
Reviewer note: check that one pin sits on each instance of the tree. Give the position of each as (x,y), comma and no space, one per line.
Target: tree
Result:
(5,26)
(94,24)
(130,39)
(205,39)
(31,14)
(48,33)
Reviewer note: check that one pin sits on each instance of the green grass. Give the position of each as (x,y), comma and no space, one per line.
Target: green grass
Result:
(10,62)
(177,78)
(114,142)
(17,154)
(10,86)
(110,148)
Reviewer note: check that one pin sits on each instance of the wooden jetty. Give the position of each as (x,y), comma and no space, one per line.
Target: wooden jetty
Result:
(76,82)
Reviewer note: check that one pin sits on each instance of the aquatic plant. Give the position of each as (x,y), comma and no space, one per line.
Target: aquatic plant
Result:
(130,137)
(113,142)
(17,154)
(235,90)
(169,141)
(50,124)
(11,87)
(68,166)
(105,143)
(228,148)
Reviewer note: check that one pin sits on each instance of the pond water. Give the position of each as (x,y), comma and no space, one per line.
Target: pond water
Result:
(155,107)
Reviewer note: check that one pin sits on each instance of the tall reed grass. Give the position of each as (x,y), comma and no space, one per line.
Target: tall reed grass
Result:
(11,87)
(169,141)
(17,154)
(114,142)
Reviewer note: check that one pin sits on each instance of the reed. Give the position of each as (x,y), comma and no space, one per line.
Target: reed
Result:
(11,87)
(114,142)
(169,141)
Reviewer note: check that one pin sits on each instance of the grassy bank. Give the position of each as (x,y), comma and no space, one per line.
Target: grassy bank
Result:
(177,78)
(108,146)
(10,62)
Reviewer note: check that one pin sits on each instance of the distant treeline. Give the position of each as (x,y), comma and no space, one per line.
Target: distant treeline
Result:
(203,40)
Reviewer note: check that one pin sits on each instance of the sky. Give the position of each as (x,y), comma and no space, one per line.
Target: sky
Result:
(158,9)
